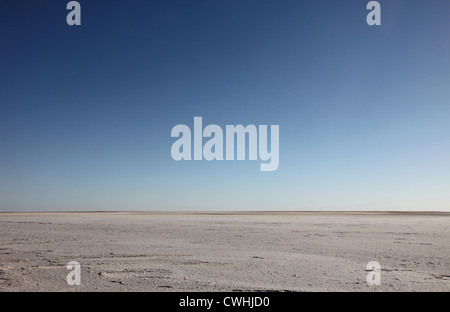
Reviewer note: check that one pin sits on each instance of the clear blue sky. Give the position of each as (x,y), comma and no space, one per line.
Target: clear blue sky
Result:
(86,112)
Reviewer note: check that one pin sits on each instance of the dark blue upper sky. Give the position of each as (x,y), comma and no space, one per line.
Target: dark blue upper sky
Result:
(86,112)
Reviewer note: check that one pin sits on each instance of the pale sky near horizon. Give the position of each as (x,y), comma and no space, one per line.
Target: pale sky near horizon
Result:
(86,111)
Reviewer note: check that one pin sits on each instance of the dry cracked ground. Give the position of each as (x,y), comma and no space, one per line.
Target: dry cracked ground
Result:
(120,251)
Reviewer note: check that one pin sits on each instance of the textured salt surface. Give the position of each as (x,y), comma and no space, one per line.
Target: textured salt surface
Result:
(224,252)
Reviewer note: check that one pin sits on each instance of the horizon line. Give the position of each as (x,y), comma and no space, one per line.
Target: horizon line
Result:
(243,212)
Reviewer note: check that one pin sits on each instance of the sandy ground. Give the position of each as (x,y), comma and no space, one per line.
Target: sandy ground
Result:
(224,252)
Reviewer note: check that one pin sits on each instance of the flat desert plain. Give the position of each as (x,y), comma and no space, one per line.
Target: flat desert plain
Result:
(242,251)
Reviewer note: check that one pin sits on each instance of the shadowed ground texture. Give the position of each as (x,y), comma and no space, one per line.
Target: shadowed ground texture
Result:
(150,251)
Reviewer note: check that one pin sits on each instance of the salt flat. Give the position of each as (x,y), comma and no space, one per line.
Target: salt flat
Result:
(148,251)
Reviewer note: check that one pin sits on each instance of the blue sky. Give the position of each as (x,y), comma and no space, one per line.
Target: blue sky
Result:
(86,112)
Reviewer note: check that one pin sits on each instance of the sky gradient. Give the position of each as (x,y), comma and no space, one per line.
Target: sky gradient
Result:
(86,111)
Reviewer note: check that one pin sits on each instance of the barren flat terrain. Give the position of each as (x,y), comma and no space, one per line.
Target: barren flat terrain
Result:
(150,251)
